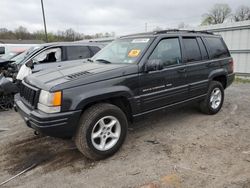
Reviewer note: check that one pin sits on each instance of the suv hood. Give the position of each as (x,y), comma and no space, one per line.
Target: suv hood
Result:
(69,76)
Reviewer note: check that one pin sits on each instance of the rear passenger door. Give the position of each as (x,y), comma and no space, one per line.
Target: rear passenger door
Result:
(167,86)
(196,59)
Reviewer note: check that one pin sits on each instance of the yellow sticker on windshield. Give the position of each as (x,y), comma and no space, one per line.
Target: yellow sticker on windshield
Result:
(134,53)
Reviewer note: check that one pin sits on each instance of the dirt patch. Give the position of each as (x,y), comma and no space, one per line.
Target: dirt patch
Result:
(51,153)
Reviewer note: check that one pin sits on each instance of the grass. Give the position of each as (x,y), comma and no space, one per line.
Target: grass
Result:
(242,80)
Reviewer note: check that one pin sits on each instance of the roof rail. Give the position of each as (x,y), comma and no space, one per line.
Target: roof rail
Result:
(138,34)
(178,30)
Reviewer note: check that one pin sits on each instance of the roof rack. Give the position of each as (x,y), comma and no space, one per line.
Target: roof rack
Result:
(178,30)
(168,31)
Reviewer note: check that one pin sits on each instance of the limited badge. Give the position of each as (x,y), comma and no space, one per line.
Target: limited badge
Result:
(134,53)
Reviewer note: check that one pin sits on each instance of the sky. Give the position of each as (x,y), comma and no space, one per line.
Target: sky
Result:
(95,16)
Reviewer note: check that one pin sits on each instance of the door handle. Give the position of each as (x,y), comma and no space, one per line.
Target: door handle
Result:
(181,70)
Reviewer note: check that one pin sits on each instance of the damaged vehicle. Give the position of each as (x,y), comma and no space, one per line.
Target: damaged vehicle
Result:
(8,86)
(133,76)
(7,91)
(42,57)
(53,55)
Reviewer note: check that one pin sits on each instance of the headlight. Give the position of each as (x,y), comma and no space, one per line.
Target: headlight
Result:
(50,102)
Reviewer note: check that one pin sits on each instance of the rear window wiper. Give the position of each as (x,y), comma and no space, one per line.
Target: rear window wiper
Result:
(103,61)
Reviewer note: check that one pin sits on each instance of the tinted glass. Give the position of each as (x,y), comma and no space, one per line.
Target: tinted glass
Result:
(217,48)
(168,51)
(95,49)
(78,52)
(202,48)
(192,49)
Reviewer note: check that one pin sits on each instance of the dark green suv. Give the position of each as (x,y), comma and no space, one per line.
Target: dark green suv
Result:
(133,76)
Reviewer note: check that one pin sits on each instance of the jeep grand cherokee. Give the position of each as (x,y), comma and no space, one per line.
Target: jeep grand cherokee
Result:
(131,77)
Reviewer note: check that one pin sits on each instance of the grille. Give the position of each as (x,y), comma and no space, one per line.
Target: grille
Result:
(29,94)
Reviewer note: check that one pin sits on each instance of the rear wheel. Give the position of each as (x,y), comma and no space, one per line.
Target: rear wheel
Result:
(214,99)
(102,131)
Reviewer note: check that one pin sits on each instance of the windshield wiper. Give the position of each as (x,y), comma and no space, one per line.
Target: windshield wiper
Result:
(103,61)
(90,60)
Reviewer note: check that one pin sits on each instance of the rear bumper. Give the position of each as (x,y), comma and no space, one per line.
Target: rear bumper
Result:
(57,125)
(230,79)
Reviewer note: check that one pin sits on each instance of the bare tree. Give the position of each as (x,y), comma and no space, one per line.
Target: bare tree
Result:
(22,33)
(157,28)
(67,35)
(218,14)
(182,25)
(242,13)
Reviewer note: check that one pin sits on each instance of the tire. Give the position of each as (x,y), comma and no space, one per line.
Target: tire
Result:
(209,107)
(90,134)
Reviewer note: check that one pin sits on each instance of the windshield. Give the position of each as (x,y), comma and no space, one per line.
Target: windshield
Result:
(123,50)
(18,59)
(9,55)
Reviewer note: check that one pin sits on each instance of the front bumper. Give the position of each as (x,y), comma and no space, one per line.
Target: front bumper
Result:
(58,125)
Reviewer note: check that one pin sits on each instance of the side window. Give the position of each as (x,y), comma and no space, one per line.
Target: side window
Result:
(168,51)
(192,49)
(202,48)
(48,56)
(78,52)
(95,49)
(217,48)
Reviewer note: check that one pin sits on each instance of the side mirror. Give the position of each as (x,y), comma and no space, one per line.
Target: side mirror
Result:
(30,64)
(153,65)
(2,50)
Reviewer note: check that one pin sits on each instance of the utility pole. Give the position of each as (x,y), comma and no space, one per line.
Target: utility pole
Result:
(146,27)
(44,22)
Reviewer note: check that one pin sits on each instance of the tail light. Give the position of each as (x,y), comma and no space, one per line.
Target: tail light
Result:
(231,66)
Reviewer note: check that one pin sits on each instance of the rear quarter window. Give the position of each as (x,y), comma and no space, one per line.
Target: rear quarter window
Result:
(217,48)
(78,52)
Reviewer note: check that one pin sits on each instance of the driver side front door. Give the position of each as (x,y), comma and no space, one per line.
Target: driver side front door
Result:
(161,88)
(49,58)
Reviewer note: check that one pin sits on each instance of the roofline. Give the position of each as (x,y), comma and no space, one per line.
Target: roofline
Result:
(70,44)
(226,26)
(168,31)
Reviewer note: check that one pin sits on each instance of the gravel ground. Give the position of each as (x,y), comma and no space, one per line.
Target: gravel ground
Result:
(178,148)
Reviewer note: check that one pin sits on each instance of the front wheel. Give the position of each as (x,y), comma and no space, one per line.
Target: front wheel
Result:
(214,99)
(102,131)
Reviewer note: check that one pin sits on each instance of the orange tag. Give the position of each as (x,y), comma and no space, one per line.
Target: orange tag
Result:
(134,53)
